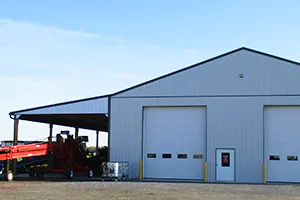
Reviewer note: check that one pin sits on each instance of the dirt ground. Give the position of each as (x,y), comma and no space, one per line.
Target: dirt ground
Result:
(46,190)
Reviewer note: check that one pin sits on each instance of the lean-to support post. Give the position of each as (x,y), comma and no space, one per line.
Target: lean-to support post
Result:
(50,133)
(16,133)
(97,141)
(76,132)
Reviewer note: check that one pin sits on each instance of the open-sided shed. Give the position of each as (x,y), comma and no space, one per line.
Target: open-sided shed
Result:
(90,113)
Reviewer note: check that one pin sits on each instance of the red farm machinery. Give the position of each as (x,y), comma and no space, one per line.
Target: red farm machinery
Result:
(65,155)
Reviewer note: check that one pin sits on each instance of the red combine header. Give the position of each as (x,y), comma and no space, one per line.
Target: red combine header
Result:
(60,157)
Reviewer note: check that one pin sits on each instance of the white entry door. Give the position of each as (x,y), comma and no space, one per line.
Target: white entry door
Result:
(225,164)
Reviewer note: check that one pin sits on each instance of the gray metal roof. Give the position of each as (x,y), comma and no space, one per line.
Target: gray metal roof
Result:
(90,113)
(88,108)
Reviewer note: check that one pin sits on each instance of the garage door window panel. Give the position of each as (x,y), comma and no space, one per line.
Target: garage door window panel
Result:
(274,157)
(292,158)
(182,156)
(151,155)
(197,156)
(166,155)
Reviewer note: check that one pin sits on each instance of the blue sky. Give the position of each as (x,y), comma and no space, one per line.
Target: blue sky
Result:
(170,23)
(53,51)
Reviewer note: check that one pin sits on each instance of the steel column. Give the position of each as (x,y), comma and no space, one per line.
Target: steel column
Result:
(76,132)
(97,140)
(16,133)
(50,133)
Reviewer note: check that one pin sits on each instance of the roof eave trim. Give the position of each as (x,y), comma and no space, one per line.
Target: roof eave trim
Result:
(58,104)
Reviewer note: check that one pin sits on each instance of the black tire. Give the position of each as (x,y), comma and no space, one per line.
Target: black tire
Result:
(1,167)
(70,174)
(32,173)
(90,173)
(39,174)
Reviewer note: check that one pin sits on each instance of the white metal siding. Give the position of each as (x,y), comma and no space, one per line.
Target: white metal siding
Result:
(174,131)
(94,106)
(282,137)
(232,122)
(235,108)
(262,76)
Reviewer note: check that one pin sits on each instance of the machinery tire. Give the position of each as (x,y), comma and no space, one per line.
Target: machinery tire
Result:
(39,174)
(9,176)
(70,174)
(32,173)
(1,168)
(90,173)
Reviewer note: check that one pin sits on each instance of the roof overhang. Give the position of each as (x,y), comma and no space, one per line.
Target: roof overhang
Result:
(85,121)
(91,114)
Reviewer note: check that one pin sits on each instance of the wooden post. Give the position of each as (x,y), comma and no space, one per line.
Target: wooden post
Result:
(16,133)
(50,133)
(76,132)
(97,141)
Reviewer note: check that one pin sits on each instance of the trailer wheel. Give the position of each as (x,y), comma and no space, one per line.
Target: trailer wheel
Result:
(39,174)
(70,174)
(32,173)
(9,176)
(90,173)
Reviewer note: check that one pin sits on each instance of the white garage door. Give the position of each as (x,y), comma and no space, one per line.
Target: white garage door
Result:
(174,142)
(282,143)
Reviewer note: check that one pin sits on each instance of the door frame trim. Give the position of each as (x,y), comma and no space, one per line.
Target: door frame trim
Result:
(216,172)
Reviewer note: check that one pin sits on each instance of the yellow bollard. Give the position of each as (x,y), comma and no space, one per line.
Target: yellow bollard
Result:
(205,171)
(141,169)
(264,173)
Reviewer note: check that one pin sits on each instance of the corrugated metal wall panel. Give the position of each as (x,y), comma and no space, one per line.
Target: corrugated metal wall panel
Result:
(237,123)
(234,107)
(94,106)
(232,122)
(125,137)
(262,76)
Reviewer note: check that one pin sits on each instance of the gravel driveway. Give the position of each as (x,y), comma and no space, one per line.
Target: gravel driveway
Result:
(142,190)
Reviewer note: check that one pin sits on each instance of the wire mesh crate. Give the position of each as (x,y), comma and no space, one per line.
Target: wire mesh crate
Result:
(115,171)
